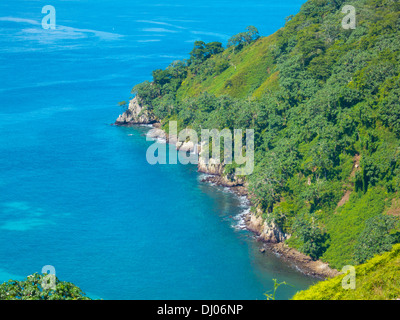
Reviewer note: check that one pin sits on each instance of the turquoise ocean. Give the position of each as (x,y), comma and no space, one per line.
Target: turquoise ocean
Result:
(77,193)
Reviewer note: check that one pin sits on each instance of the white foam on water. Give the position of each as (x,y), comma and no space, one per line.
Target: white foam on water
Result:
(157,139)
(161,140)
(203,176)
(240,221)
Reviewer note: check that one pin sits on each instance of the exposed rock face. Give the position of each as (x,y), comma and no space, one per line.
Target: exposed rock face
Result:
(212,167)
(157,133)
(268,232)
(136,114)
(306,265)
(185,146)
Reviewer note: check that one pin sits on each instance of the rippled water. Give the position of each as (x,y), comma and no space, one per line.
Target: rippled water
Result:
(78,194)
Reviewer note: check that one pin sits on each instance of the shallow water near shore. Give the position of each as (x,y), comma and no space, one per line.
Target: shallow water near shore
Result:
(78,194)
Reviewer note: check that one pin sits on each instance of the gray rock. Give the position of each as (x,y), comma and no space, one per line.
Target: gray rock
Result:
(136,114)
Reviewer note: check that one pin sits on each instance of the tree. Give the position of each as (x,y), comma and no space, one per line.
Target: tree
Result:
(123,104)
(252,34)
(197,54)
(244,38)
(31,289)
(235,40)
(311,235)
(267,182)
(146,92)
(203,51)
(389,104)
(161,77)
(213,48)
(288,18)
(375,238)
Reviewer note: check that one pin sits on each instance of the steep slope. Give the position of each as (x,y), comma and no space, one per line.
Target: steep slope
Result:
(375,280)
(324,103)
(245,72)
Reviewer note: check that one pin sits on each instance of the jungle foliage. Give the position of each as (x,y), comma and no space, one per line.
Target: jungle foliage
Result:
(37,287)
(324,103)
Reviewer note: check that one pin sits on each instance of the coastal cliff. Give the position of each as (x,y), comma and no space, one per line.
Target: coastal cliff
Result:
(267,232)
(136,114)
(326,137)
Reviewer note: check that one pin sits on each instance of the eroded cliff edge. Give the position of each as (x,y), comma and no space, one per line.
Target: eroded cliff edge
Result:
(267,232)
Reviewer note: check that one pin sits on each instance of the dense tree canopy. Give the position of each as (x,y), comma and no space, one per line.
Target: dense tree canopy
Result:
(244,38)
(34,287)
(375,238)
(324,103)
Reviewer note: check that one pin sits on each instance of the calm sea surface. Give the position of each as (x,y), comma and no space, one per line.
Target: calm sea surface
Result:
(78,194)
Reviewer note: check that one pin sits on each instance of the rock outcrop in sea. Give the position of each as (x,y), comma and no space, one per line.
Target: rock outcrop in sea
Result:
(136,114)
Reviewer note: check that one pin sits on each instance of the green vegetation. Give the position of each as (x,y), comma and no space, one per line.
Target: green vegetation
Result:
(324,103)
(31,289)
(348,224)
(377,279)
(271,296)
(375,238)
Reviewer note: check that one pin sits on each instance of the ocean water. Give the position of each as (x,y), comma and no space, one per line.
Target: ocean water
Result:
(78,194)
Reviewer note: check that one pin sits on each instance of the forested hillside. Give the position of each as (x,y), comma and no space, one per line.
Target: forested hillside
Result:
(324,102)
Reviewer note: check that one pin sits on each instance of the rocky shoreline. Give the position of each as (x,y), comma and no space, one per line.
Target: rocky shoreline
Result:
(272,240)
(271,236)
